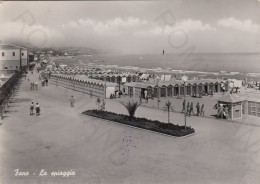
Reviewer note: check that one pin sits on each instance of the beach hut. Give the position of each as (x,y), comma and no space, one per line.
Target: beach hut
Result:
(169,90)
(234,104)
(194,89)
(156,91)
(176,90)
(200,88)
(182,90)
(189,88)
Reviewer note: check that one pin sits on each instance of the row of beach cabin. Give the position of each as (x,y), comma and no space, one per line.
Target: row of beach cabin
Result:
(176,88)
(137,88)
(92,87)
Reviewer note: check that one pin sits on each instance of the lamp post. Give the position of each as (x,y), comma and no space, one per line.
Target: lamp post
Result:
(105,88)
(158,93)
(184,78)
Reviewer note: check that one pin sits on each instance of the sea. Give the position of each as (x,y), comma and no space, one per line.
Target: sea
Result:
(209,62)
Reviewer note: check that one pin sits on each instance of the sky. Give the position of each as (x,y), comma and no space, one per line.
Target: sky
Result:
(176,26)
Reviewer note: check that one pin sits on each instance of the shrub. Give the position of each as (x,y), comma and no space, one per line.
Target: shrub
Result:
(144,123)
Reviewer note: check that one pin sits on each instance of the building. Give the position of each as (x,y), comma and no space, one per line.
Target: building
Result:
(13,57)
(234,104)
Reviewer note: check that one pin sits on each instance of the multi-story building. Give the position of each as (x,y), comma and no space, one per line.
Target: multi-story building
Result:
(13,57)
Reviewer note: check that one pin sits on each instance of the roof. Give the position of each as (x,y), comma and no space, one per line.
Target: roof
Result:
(85,79)
(230,98)
(10,46)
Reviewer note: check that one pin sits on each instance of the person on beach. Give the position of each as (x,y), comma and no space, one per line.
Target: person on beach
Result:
(31,108)
(46,80)
(28,78)
(72,101)
(188,109)
(191,109)
(37,109)
(202,111)
(198,108)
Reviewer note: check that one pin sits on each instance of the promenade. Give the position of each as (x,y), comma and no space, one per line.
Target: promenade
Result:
(98,151)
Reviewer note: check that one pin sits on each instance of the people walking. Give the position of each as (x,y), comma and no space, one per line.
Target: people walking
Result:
(191,109)
(1,112)
(220,111)
(226,111)
(72,101)
(188,109)
(202,111)
(37,109)
(36,85)
(31,108)
(198,109)
(103,105)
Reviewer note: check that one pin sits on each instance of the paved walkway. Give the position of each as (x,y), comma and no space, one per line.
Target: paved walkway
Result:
(61,138)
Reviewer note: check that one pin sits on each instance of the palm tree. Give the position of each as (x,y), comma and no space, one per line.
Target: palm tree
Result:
(167,108)
(131,107)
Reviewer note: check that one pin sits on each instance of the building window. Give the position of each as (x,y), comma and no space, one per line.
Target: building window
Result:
(13,53)
(22,54)
(3,54)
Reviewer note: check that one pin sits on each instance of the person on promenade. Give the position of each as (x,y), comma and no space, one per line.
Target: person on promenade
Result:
(191,109)
(36,85)
(1,112)
(226,111)
(183,107)
(145,95)
(37,109)
(198,108)
(31,86)
(140,98)
(31,108)
(46,82)
(202,111)
(72,101)
(215,106)
(103,105)
(188,109)
(220,111)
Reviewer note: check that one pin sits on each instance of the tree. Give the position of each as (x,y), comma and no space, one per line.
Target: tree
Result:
(167,108)
(131,107)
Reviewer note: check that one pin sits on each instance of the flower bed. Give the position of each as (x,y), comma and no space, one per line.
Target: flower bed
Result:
(153,125)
